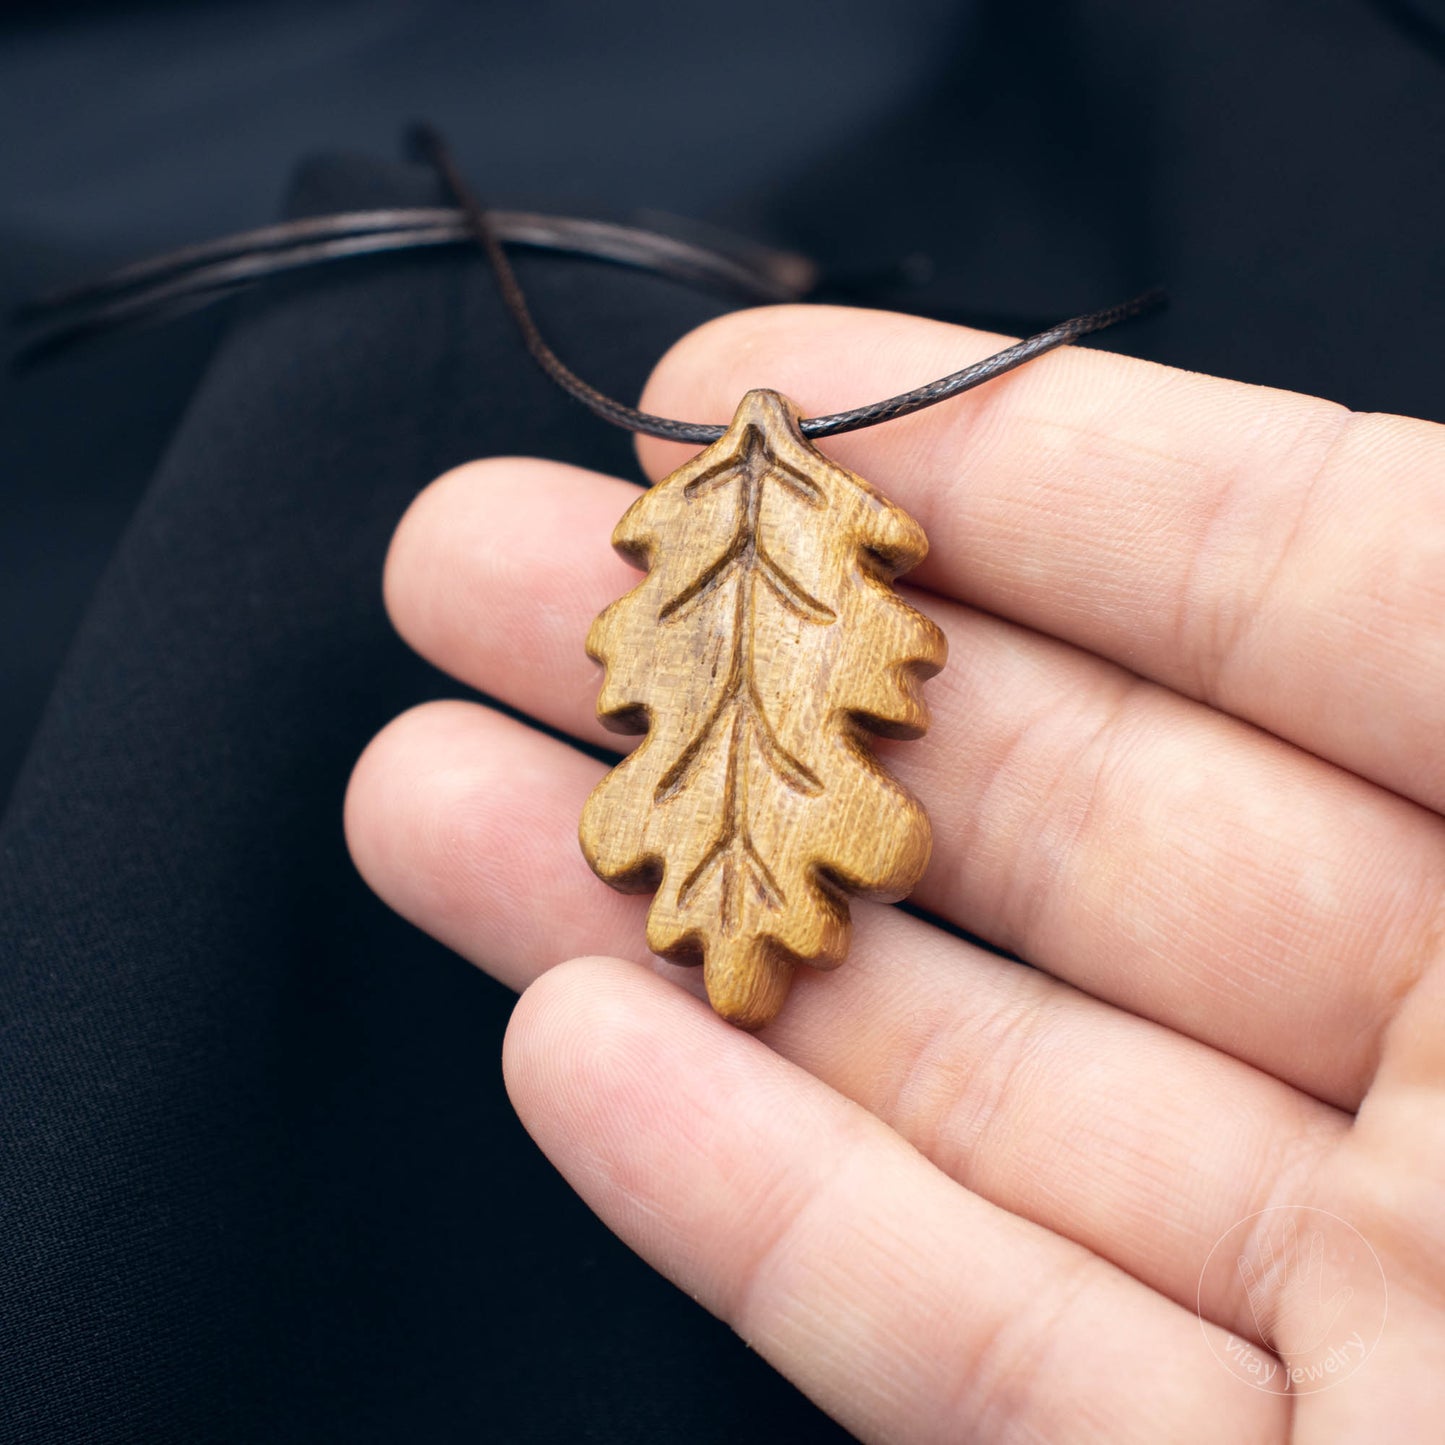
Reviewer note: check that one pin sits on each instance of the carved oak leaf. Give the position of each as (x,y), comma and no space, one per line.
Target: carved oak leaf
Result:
(764,642)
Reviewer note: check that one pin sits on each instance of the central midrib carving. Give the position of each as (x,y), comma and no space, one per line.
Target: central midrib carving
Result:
(738,707)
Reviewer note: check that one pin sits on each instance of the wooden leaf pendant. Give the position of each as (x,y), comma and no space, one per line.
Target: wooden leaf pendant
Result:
(764,642)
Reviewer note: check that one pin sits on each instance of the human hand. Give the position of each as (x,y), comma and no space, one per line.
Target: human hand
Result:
(1187,759)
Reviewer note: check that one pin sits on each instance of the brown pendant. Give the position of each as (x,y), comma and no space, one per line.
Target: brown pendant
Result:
(763,645)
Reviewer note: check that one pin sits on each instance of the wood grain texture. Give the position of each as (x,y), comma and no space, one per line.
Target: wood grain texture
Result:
(764,644)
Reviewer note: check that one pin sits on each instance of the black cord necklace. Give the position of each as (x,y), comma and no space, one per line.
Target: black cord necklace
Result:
(428,145)
(760,651)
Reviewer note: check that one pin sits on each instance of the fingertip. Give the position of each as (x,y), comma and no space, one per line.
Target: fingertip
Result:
(394,799)
(602,997)
(446,512)
(586,1058)
(551,1017)
(365,806)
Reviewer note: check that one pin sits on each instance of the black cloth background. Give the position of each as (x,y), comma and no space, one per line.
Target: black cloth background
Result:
(258,1176)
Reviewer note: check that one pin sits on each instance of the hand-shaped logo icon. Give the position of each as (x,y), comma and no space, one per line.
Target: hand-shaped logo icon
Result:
(1288,1288)
(1292,1299)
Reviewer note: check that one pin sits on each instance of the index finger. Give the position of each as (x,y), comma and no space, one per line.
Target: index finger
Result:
(1274,555)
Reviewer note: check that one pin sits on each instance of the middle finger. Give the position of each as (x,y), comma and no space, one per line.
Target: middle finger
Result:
(1154,852)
